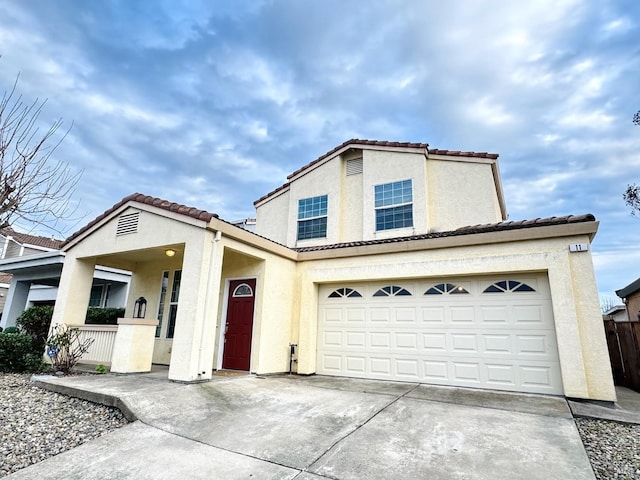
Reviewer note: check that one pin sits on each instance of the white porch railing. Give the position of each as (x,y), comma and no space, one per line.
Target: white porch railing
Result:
(101,349)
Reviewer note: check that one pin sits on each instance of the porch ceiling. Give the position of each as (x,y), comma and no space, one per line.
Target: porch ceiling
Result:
(126,260)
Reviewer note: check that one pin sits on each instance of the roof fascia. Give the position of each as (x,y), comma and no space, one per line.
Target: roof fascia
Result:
(472,239)
(274,194)
(140,206)
(251,239)
(356,146)
(13,264)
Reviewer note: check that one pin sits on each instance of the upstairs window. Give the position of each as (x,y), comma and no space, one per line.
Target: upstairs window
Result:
(312,217)
(394,205)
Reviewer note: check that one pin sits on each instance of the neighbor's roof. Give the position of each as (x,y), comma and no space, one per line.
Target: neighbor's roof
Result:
(377,143)
(633,287)
(484,228)
(147,200)
(25,238)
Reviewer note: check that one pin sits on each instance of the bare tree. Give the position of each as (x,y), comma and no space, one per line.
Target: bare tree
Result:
(631,195)
(34,188)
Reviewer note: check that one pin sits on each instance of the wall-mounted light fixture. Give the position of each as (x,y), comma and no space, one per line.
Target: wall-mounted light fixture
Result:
(140,308)
(169,252)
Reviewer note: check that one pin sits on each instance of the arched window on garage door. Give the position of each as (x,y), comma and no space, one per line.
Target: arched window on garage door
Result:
(392,291)
(446,288)
(344,292)
(508,286)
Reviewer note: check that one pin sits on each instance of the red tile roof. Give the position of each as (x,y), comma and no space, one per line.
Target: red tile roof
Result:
(469,230)
(147,200)
(377,143)
(24,238)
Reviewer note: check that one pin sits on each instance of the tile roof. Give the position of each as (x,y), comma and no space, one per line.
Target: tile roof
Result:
(377,143)
(24,238)
(469,230)
(457,153)
(147,200)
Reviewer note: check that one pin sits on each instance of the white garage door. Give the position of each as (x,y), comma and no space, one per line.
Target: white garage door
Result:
(489,332)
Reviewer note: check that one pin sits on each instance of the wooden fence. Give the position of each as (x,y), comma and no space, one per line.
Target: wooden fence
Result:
(623,340)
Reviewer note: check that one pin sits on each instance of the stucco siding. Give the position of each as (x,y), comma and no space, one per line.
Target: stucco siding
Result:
(323,180)
(275,294)
(461,194)
(633,306)
(272,218)
(581,343)
(382,167)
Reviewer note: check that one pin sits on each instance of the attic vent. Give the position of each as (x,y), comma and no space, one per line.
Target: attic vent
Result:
(354,166)
(128,223)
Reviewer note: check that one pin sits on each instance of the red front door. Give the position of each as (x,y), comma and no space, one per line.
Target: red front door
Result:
(239,326)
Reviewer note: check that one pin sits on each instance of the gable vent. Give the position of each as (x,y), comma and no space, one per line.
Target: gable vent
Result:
(354,166)
(128,223)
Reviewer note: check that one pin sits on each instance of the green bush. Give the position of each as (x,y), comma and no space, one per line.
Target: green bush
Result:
(36,321)
(16,354)
(103,316)
(12,330)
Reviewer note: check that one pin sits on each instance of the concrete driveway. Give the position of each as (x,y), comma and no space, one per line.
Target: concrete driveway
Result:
(282,427)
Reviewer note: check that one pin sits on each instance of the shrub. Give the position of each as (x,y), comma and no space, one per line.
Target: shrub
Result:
(12,330)
(35,321)
(103,316)
(65,348)
(16,353)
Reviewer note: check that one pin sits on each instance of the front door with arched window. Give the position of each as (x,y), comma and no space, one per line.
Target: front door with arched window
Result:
(239,325)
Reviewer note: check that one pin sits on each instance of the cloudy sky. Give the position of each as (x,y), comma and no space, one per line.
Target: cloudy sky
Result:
(212,104)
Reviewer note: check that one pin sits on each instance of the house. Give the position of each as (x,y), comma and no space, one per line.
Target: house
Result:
(379,260)
(617,313)
(630,296)
(16,244)
(31,267)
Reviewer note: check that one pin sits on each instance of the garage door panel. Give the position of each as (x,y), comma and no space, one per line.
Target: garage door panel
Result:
(503,340)
(462,315)
(380,315)
(355,316)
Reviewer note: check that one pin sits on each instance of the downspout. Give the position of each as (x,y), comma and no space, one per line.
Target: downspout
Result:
(202,370)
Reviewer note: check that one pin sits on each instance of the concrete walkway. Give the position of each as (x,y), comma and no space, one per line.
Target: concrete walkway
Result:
(282,427)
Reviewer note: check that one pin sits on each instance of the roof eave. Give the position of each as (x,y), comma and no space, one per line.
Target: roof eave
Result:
(467,239)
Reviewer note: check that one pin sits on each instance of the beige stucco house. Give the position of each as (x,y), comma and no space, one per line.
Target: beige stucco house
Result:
(379,260)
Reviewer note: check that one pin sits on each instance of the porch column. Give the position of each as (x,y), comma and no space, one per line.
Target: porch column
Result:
(194,337)
(16,302)
(73,292)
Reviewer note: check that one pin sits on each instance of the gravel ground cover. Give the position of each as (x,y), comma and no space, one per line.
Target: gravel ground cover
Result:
(36,424)
(613,448)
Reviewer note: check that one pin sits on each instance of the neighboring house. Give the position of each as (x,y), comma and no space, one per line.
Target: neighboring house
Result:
(31,267)
(246,223)
(15,244)
(617,313)
(630,295)
(379,260)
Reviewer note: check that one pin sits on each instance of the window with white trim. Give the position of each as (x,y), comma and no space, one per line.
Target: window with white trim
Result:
(164,286)
(312,217)
(173,303)
(394,205)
